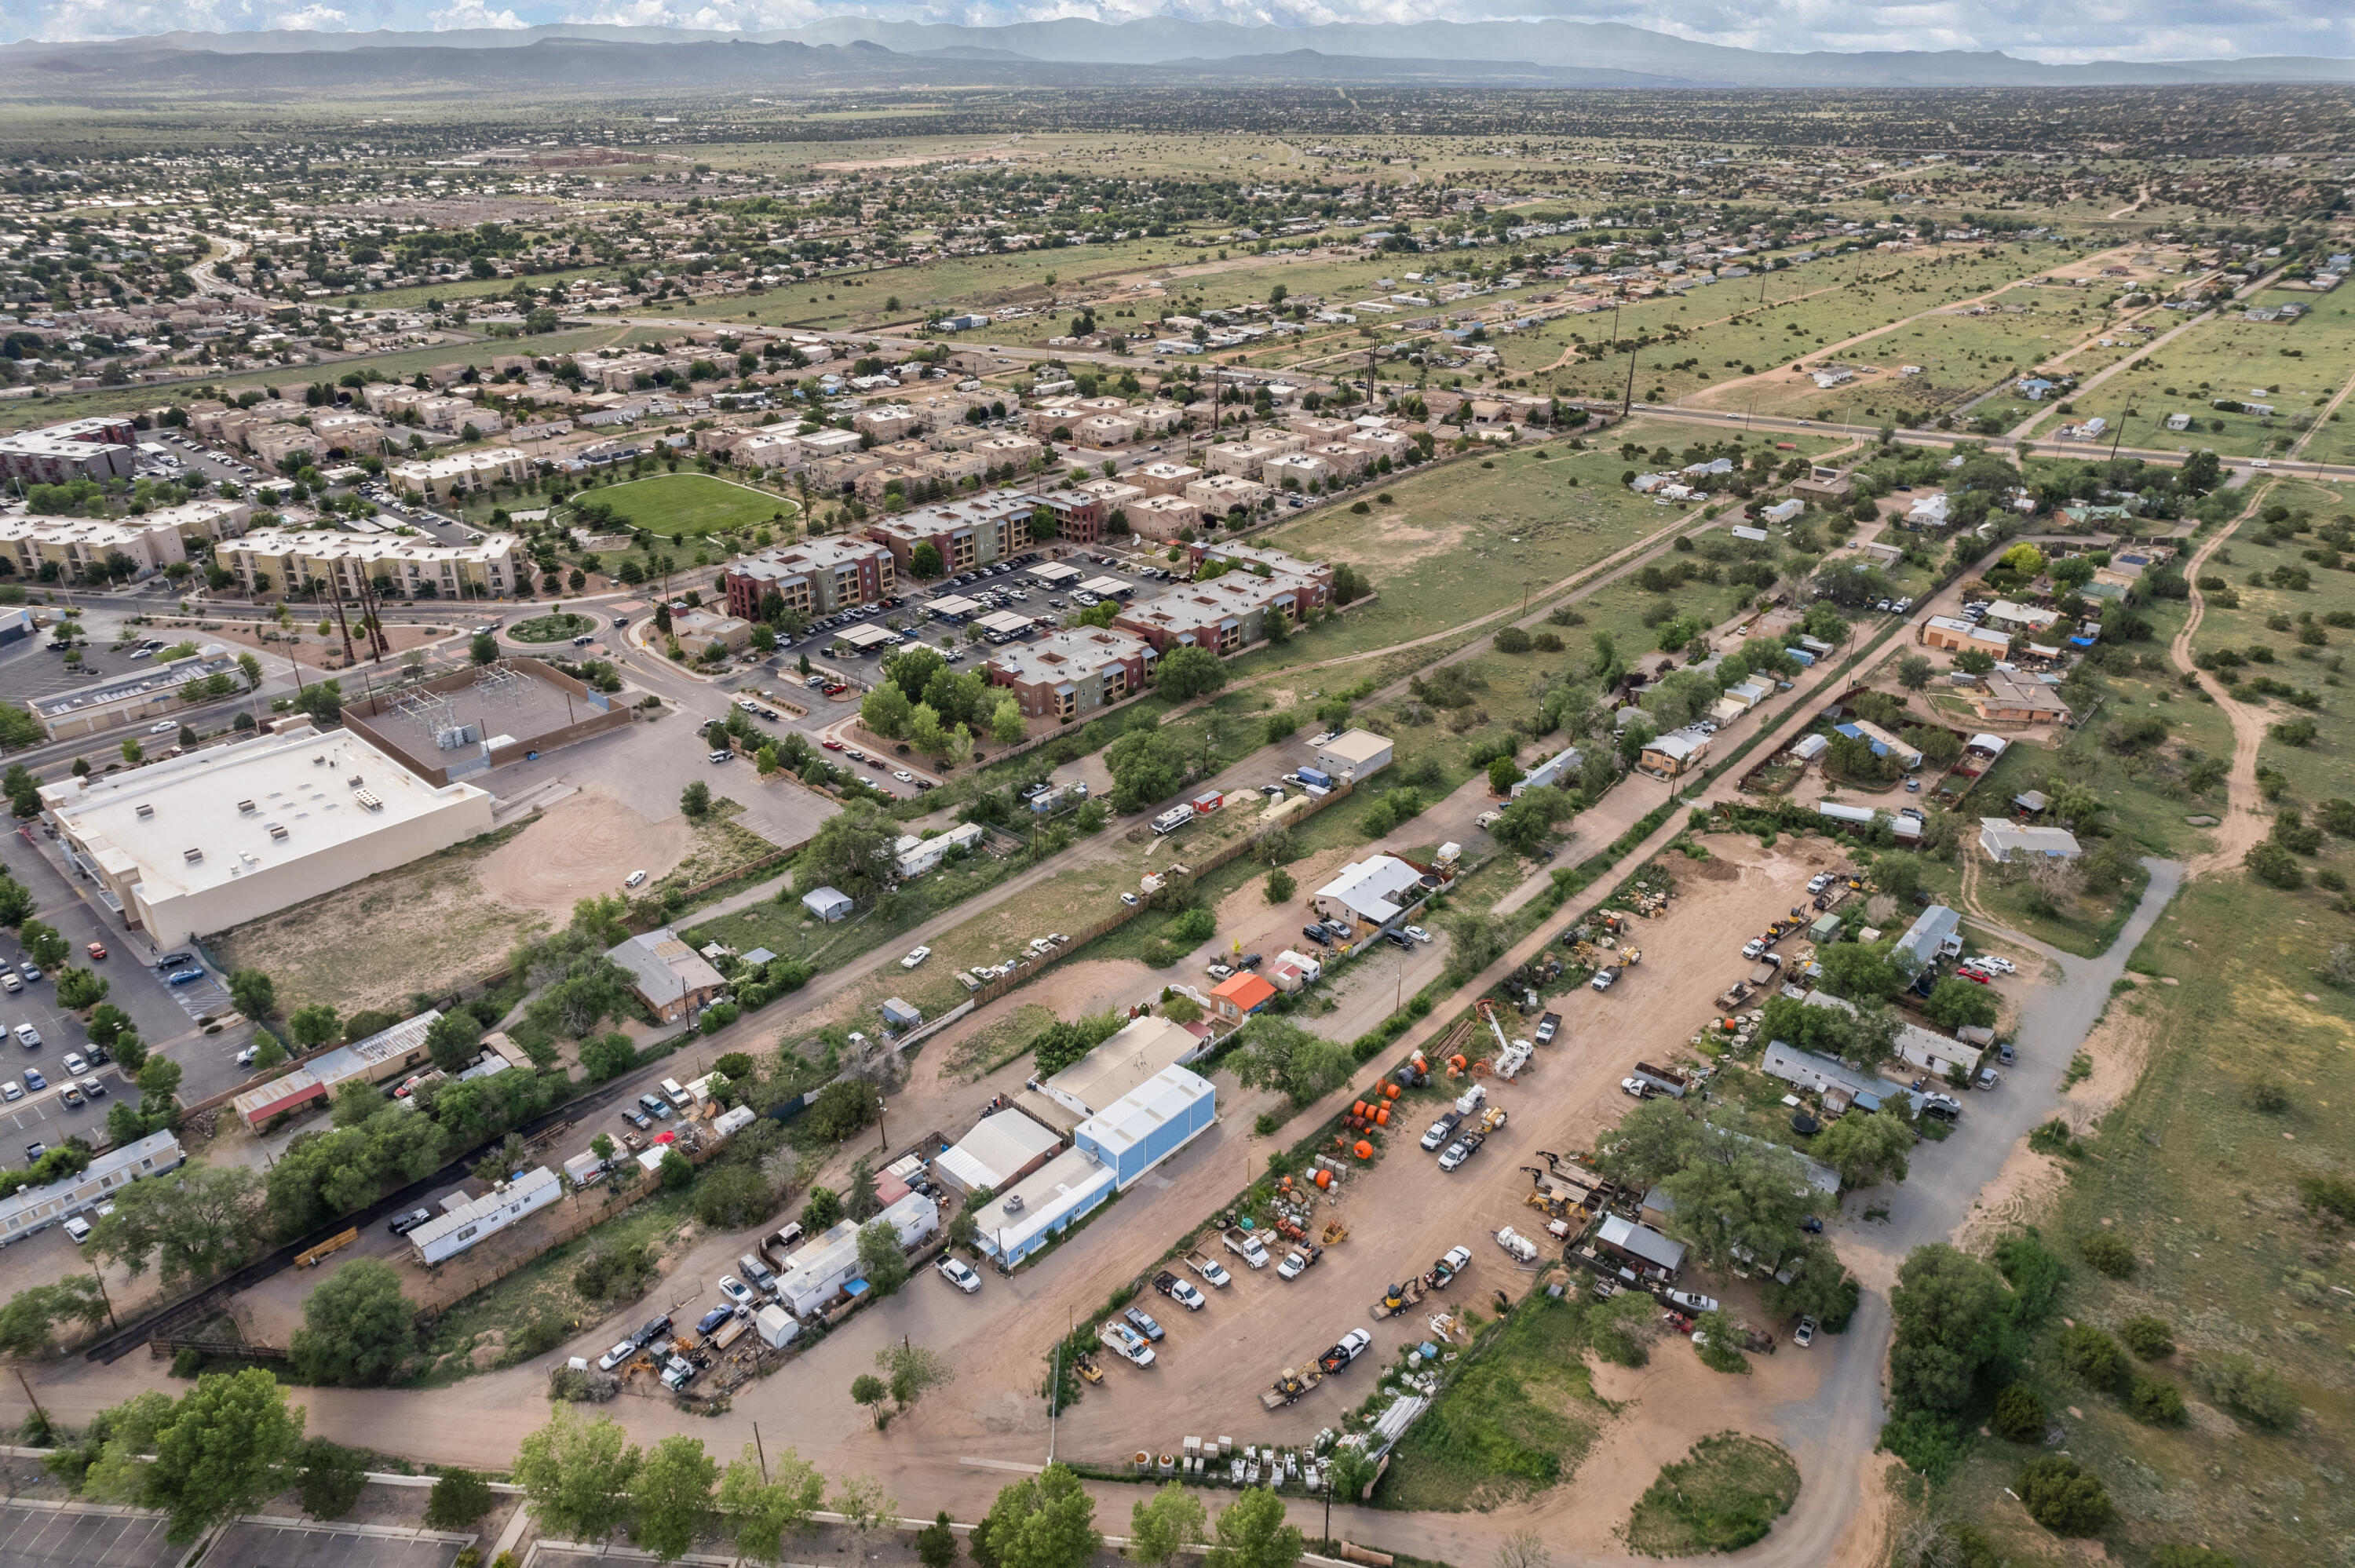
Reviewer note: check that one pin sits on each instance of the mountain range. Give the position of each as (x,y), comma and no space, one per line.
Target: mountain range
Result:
(1071,52)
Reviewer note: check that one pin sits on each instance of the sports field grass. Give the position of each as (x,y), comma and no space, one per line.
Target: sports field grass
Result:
(2239,360)
(690,505)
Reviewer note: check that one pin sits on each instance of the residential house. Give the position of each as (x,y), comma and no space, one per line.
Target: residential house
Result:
(2009,697)
(2003,840)
(671,978)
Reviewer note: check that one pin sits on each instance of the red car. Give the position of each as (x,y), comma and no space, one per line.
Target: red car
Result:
(96,949)
(875,762)
(1973,975)
(831,744)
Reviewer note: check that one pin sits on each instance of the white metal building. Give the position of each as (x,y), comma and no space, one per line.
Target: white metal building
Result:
(1150,1123)
(1044,1205)
(37,1208)
(1000,1151)
(1357,751)
(816,1272)
(447,1234)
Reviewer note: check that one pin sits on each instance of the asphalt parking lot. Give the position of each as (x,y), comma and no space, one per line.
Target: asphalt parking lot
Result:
(298,1546)
(34,1537)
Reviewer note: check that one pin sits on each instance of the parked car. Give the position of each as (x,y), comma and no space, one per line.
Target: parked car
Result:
(1989,1078)
(28,1037)
(655,1106)
(1693,1300)
(958,1274)
(183,977)
(1440,1130)
(95,950)
(2005,1053)
(1138,1318)
(1457,1153)
(635,1117)
(737,1291)
(654,1328)
(170,960)
(709,1324)
(75,1064)
(633,879)
(402,1225)
(1805,1333)
(915,958)
(1418,933)
(617,1355)
(12,1091)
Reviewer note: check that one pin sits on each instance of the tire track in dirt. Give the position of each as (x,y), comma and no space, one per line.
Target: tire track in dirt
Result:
(2244,824)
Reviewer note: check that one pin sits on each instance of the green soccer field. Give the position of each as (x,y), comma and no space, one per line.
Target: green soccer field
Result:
(690,505)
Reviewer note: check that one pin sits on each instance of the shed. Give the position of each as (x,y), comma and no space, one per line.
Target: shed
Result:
(584,1170)
(1808,748)
(1826,928)
(1640,1243)
(900,1014)
(826,903)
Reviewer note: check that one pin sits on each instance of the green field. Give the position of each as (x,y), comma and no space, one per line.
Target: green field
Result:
(1724,1495)
(690,505)
(2236,359)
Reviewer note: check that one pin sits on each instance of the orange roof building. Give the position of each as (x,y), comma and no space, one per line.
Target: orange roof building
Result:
(1241,995)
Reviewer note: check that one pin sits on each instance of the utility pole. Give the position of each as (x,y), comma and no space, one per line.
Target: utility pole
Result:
(31,1398)
(103,1295)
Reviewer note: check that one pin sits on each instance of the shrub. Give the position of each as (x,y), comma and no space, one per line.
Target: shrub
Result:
(2094,1358)
(2248,1388)
(2018,1416)
(2148,1337)
(2175,1554)
(2109,1253)
(2062,1497)
(1512,639)
(2154,1402)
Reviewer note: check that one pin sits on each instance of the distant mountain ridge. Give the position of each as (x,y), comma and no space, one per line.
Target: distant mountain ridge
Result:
(1564,53)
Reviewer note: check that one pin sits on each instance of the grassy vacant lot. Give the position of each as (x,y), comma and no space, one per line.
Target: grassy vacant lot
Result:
(689,505)
(426,927)
(1725,1494)
(2251,1062)
(2232,357)
(1516,1419)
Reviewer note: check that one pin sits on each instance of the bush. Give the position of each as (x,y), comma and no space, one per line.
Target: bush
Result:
(1512,639)
(460,1497)
(2148,1337)
(2094,1358)
(2111,1254)
(2154,1402)
(2062,1497)
(2174,1554)
(2248,1388)
(732,1197)
(1928,1444)
(2020,1415)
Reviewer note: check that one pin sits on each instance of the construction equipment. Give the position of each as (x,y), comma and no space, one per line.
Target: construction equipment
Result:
(1085,1364)
(1290,1384)
(1443,1273)
(1397,1298)
(332,1244)
(1335,1232)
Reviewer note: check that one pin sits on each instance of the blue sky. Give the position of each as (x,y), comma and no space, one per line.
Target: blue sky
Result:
(2032,29)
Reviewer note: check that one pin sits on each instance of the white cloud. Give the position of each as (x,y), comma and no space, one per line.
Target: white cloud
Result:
(315,18)
(466,15)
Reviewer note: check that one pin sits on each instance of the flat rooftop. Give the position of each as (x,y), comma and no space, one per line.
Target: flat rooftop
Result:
(211,660)
(194,822)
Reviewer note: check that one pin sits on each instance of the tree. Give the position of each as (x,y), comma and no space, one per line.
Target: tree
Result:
(1527,822)
(42,944)
(2112,1255)
(677,1171)
(1281,886)
(924,560)
(1146,765)
(1957,1004)
(881,1256)
(1161,1527)
(852,852)
(672,1494)
(1859,972)
(822,1211)
(80,987)
(1184,673)
(1006,725)
(870,1391)
(253,993)
(885,710)
(1952,1324)
(357,1327)
(28,1322)
(2061,1495)
(483,648)
(936,1543)
(1865,1150)
(1047,1520)
(925,732)
(763,1512)
(221,1453)
(911,1370)
(732,1197)
(576,1475)
(1913,672)
(2148,1337)
(454,1040)
(1253,1533)
(459,1498)
(1898,874)
(313,1026)
(695,800)
(1280,1054)
(2020,1415)
(329,1477)
(202,1222)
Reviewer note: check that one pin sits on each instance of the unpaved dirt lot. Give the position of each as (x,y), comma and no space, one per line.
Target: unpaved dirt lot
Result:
(582,846)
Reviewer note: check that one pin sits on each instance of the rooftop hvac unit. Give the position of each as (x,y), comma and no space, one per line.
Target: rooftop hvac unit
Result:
(246,808)
(277,832)
(143,811)
(367,798)
(355,781)
(192,856)
(1013,1203)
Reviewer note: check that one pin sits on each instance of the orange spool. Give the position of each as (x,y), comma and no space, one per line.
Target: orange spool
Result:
(1324,1178)
(1391,1091)
(1383,1116)
(1364,1149)
(1358,1109)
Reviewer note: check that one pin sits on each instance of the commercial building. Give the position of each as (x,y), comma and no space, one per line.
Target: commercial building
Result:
(700,632)
(1139,1052)
(1370,891)
(123,699)
(967,534)
(1078,515)
(1964,636)
(199,844)
(1001,1150)
(1149,1123)
(671,978)
(439,478)
(470,1220)
(1042,1205)
(2003,840)
(818,1271)
(40,457)
(395,565)
(1360,753)
(36,1209)
(1071,673)
(816,579)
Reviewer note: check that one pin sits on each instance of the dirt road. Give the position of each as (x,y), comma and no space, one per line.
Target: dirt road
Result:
(2246,822)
